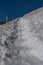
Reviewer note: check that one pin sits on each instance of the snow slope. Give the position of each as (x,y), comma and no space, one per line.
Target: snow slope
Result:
(21,42)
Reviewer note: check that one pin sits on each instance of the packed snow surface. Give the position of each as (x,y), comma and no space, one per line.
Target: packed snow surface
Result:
(21,41)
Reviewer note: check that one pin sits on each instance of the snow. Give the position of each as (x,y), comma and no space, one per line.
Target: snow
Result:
(21,42)
(30,40)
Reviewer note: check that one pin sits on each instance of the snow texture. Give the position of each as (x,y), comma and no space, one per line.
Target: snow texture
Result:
(21,42)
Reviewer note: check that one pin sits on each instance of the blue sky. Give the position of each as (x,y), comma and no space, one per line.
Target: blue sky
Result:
(17,8)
